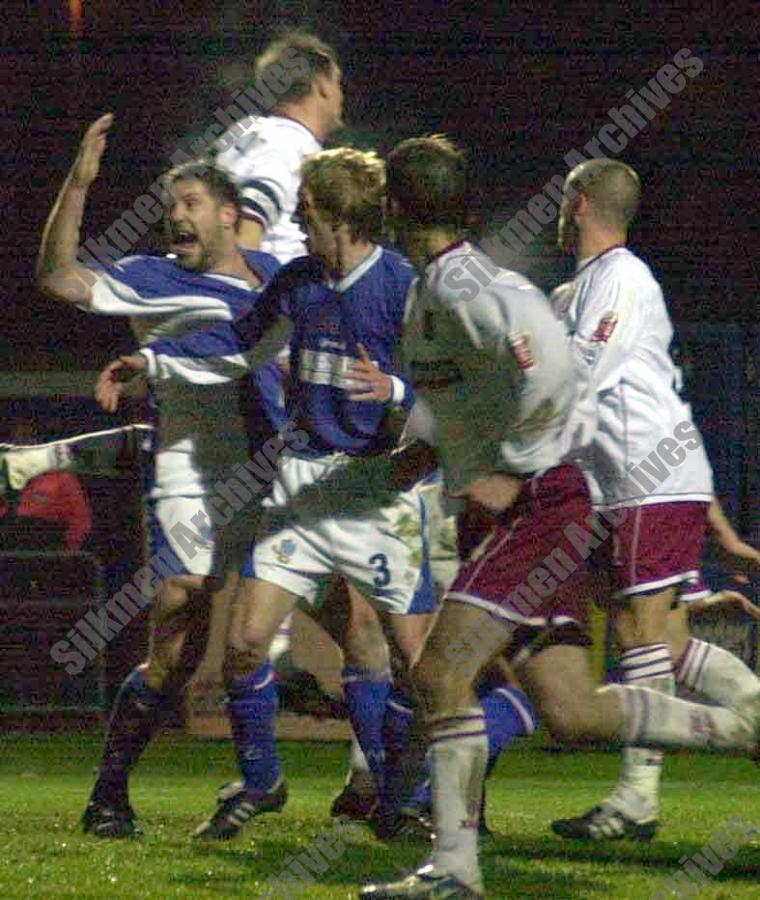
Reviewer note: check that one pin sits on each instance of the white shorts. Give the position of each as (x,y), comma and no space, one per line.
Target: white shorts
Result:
(442,532)
(199,547)
(323,518)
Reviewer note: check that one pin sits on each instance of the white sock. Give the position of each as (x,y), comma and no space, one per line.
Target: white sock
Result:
(652,719)
(638,788)
(358,761)
(459,755)
(716,674)
(281,642)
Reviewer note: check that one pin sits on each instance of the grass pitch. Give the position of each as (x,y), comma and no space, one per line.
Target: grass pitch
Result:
(44,782)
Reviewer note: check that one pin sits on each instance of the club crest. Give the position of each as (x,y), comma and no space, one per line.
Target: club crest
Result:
(284,550)
(605,328)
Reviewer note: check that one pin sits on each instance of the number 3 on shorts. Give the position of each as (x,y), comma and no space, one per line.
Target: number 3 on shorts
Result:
(380,563)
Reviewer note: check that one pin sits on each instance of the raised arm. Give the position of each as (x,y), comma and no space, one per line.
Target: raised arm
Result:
(737,555)
(58,273)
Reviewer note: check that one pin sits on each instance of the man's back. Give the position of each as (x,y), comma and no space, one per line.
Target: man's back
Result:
(620,332)
(266,163)
(495,364)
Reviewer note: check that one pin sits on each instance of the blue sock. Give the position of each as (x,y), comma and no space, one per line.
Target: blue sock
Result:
(251,707)
(136,714)
(407,781)
(366,694)
(508,714)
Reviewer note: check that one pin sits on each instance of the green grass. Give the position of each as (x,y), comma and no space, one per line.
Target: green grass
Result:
(44,782)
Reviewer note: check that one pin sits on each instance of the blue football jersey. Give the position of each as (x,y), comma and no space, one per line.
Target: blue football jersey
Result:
(329,320)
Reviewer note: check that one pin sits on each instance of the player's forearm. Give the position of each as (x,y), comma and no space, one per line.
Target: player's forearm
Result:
(58,272)
(215,356)
(721,528)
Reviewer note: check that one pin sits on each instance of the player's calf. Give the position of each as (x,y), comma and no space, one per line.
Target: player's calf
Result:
(139,708)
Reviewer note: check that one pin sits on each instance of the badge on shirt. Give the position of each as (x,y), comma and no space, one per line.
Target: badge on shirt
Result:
(605,328)
(284,550)
(519,341)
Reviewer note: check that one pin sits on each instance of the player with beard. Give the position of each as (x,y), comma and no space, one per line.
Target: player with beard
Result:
(205,279)
(334,508)
(651,477)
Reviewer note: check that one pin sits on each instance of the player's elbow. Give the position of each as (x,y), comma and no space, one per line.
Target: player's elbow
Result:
(47,284)
(64,285)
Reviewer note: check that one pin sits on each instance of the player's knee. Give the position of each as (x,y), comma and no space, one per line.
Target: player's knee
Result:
(239,663)
(647,620)
(156,671)
(165,654)
(172,597)
(437,684)
(252,635)
(560,725)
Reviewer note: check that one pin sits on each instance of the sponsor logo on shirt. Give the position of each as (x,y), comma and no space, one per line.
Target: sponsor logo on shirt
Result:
(605,328)
(519,341)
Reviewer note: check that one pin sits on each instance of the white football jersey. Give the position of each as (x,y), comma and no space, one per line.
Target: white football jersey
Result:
(486,351)
(266,162)
(639,442)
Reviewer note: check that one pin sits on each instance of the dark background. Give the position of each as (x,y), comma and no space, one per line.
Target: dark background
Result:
(519,85)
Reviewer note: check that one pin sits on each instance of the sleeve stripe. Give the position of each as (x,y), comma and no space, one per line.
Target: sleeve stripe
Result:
(261,187)
(262,198)
(252,210)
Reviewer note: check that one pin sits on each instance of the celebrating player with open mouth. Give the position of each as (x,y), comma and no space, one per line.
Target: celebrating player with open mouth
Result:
(334,506)
(201,436)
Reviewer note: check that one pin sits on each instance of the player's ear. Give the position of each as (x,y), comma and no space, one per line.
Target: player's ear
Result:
(391,207)
(229,215)
(581,205)
(321,86)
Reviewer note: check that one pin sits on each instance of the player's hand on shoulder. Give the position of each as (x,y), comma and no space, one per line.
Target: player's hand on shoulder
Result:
(115,380)
(495,492)
(87,164)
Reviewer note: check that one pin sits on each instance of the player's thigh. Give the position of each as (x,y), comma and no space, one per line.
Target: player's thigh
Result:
(462,641)
(385,555)
(678,630)
(407,634)
(183,548)
(350,620)
(174,594)
(643,618)
(656,553)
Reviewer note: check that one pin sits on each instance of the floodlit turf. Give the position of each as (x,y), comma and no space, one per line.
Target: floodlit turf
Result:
(44,782)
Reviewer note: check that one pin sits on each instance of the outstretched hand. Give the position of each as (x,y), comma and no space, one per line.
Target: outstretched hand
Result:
(114,381)
(87,164)
(728,603)
(741,559)
(370,385)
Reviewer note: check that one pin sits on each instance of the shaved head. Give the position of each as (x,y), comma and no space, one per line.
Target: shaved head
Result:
(612,188)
